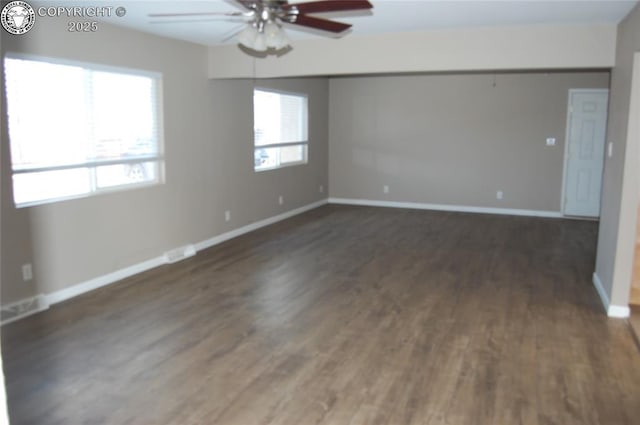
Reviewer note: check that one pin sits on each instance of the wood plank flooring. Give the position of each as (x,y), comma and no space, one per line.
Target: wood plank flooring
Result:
(343,315)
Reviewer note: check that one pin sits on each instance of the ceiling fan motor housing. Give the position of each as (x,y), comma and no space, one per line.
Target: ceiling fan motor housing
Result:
(265,19)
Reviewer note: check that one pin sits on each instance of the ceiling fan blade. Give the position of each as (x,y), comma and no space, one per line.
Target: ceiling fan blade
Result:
(318,23)
(175,15)
(196,20)
(327,6)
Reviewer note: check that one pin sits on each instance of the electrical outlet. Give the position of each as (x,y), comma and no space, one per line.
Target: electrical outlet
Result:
(227,215)
(321,189)
(385,188)
(551,141)
(27,272)
(280,200)
(499,194)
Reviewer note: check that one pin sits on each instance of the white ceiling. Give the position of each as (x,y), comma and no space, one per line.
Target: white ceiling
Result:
(387,16)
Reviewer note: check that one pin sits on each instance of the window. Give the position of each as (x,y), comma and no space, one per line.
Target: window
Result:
(77,130)
(279,129)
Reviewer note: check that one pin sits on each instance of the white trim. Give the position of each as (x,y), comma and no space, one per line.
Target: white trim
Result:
(618,312)
(91,164)
(44,301)
(39,302)
(100,67)
(100,281)
(254,226)
(565,159)
(445,207)
(613,311)
(109,278)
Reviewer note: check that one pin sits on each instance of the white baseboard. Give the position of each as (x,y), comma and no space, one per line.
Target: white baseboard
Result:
(107,279)
(614,311)
(444,207)
(23,308)
(618,311)
(44,301)
(257,225)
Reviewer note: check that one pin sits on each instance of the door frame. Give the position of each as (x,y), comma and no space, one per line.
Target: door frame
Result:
(630,195)
(565,162)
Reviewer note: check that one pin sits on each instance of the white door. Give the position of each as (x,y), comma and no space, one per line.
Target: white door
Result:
(584,153)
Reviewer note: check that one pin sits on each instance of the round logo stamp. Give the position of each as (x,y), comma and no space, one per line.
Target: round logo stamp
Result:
(17,17)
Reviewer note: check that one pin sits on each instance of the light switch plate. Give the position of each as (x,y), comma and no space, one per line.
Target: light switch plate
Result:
(551,141)
(27,272)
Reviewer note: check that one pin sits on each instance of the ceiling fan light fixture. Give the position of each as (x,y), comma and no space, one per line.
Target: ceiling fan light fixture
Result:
(283,40)
(264,19)
(262,36)
(260,43)
(247,37)
(275,36)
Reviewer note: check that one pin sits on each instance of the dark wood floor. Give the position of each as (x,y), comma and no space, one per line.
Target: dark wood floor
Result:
(343,315)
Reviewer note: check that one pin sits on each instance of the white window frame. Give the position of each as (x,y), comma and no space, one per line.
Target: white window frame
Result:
(92,165)
(301,143)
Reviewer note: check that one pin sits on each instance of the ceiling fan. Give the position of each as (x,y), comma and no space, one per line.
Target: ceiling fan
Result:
(265,18)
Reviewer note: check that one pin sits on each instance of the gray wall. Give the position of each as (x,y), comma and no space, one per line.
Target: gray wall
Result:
(209,167)
(616,235)
(452,139)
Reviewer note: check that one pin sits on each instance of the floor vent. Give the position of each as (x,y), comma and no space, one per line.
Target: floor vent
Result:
(23,308)
(178,254)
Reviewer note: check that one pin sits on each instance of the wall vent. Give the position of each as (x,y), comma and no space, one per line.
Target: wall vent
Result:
(179,254)
(23,308)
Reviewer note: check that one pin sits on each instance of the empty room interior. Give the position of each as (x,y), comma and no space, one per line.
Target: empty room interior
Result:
(326,212)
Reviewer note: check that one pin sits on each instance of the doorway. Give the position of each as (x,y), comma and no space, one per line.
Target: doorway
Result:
(634,294)
(584,152)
